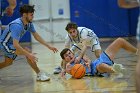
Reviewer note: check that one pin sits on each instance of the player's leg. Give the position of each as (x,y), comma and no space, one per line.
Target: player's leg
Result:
(104,68)
(41,76)
(32,64)
(119,43)
(9,55)
(7,62)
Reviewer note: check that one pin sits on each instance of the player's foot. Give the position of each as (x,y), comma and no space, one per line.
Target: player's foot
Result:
(57,70)
(41,76)
(119,68)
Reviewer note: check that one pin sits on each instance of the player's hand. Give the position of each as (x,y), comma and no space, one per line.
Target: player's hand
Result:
(77,59)
(53,49)
(63,73)
(88,65)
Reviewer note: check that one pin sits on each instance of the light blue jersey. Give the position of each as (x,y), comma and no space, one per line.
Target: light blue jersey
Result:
(104,58)
(14,30)
(82,62)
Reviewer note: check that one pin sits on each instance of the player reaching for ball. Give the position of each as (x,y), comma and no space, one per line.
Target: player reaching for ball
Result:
(101,66)
(9,41)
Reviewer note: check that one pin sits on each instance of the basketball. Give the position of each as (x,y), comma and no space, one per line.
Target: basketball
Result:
(78,71)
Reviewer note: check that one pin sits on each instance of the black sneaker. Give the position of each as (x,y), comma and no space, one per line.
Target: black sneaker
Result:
(57,70)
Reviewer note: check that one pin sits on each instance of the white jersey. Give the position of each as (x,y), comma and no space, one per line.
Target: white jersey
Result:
(83,34)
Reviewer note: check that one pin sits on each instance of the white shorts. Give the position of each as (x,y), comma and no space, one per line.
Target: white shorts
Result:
(90,49)
(95,45)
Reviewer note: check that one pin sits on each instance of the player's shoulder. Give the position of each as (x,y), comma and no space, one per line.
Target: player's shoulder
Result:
(17,22)
(81,28)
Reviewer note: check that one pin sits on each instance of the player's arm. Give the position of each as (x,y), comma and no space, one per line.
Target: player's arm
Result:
(87,60)
(16,30)
(128,3)
(12,4)
(83,50)
(22,51)
(63,66)
(39,39)
(67,42)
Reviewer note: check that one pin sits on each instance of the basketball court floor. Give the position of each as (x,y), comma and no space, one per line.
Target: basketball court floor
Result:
(20,78)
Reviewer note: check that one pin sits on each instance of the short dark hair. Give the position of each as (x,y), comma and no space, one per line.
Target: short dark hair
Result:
(64,52)
(71,25)
(27,9)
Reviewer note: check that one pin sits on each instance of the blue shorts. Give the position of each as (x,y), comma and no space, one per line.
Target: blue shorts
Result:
(104,58)
(9,50)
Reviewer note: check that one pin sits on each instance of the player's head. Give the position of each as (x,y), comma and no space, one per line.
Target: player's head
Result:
(67,55)
(71,28)
(27,12)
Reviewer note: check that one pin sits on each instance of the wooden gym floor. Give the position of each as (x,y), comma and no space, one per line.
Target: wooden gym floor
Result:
(20,78)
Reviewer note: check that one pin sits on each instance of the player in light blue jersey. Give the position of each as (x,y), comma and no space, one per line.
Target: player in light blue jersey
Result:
(133,4)
(103,65)
(9,41)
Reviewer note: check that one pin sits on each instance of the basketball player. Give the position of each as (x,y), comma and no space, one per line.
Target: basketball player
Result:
(103,65)
(9,11)
(132,4)
(9,41)
(80,39)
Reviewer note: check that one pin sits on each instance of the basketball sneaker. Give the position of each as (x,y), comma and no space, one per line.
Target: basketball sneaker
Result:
(41,76)
(119,68)
(57,70)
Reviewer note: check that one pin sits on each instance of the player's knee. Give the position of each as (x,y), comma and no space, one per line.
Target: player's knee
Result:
(8,63)
(119,40)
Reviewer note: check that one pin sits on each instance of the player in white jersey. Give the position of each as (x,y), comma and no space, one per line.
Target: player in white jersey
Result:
(79,40)
(133,4)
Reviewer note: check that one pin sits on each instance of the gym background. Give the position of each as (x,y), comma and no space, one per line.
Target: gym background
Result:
(105,17)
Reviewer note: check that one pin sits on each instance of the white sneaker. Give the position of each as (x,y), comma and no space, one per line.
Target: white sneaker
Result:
(41,76)
(119,68)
